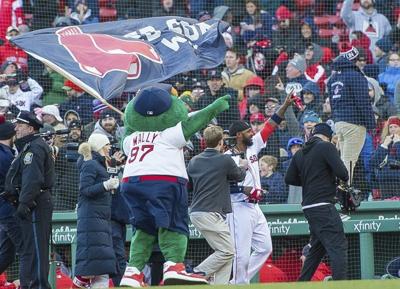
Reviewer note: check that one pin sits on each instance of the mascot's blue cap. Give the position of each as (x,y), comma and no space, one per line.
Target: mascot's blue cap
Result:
(152,101)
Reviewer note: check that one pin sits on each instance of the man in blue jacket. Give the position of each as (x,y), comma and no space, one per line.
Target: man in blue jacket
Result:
(351,107)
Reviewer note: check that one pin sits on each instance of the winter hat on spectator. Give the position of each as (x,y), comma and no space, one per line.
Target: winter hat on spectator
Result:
(258,116)
(394,120)
(52,110)
(97,141)
(283,13)
(324,129)
(152,101)
(350,53)
(294,141)
(7,129)
(384,44)
(238,126)
(98,106)
(68,85)
(299,63)
(311,117)
(108,112)
(75,124)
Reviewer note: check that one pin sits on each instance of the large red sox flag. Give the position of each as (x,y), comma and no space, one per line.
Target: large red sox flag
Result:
(109,58)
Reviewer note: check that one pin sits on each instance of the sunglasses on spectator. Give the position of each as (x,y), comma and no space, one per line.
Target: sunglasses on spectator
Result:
(257,122)
(394,59)
(270,106)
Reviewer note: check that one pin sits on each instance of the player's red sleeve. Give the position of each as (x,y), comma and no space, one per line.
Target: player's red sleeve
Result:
(267,131)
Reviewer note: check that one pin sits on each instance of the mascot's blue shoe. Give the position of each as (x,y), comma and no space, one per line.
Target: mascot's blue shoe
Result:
(175,274)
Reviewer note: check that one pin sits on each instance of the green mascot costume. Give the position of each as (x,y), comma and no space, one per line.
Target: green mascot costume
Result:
(154,181)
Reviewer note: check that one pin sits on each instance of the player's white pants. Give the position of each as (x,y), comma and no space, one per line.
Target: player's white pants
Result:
(252,240)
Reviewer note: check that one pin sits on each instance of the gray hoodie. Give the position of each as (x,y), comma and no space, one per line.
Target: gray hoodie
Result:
(360,21)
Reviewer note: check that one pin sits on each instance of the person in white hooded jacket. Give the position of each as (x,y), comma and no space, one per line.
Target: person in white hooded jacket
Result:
(367,20)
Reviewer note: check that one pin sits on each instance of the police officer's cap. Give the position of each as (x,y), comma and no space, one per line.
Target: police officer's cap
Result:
(29,118)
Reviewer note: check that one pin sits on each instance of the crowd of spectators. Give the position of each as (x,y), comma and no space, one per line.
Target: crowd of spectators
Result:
(274,46)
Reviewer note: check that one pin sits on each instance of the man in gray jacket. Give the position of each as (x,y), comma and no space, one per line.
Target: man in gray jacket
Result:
(210,173)
(367,20)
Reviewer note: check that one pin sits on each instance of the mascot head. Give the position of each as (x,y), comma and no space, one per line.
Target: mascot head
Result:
(154,108)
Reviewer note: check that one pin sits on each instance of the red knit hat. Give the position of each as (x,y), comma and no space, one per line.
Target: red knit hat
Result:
(394,120)
(283,13)
(68,85)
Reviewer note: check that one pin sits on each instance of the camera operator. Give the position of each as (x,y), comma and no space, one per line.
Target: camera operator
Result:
(315,167)
(67,184)
(247,223)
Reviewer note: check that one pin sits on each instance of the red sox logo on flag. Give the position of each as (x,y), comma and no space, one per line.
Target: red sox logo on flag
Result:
(104,53)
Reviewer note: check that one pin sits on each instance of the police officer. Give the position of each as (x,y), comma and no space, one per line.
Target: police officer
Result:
(315,167)
(10,232)
(31,176)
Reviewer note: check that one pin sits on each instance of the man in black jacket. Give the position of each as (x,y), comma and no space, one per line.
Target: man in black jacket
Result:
(210,173)
(316,167)
(30,178)
(217,89)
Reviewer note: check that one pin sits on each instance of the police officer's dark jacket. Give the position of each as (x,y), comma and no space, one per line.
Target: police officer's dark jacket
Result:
(348,95)
(315,168)
(6,157)
(32,171)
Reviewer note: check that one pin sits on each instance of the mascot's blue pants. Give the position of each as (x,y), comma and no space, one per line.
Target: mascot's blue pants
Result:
(158,209)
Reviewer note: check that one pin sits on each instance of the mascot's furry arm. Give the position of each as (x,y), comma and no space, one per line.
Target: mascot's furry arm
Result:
(202,117)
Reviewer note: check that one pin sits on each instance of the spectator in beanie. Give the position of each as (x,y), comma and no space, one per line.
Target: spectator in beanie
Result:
(82,14)
(391,75)
(351,107)
(23,100)
(108,125)
(253,87)
(287,35)
(257,24)
(367,20)
(10,52)
(272,181)
(295,72)
(95,258)
(309,120)
(77,100)
(385,160)
(235,75)
(315,72)
(382,48)
(295,192)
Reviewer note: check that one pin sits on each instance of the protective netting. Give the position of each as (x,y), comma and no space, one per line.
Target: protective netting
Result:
(275,45)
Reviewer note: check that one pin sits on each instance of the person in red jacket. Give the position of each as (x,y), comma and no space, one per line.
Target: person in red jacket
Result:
(270,273)
(11,14)
(10,52)
(4,284)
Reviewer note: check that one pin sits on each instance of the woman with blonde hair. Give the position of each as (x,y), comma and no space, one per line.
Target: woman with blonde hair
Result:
(386,161)
(95,258)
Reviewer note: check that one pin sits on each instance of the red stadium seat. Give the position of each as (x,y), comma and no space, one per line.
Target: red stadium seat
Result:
(107,3)
(321,21)
(335,20)
(304,4)
(325,33)
(107,14)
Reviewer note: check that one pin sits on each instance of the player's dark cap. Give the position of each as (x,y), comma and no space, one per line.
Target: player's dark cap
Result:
(29,118)
(238,126)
